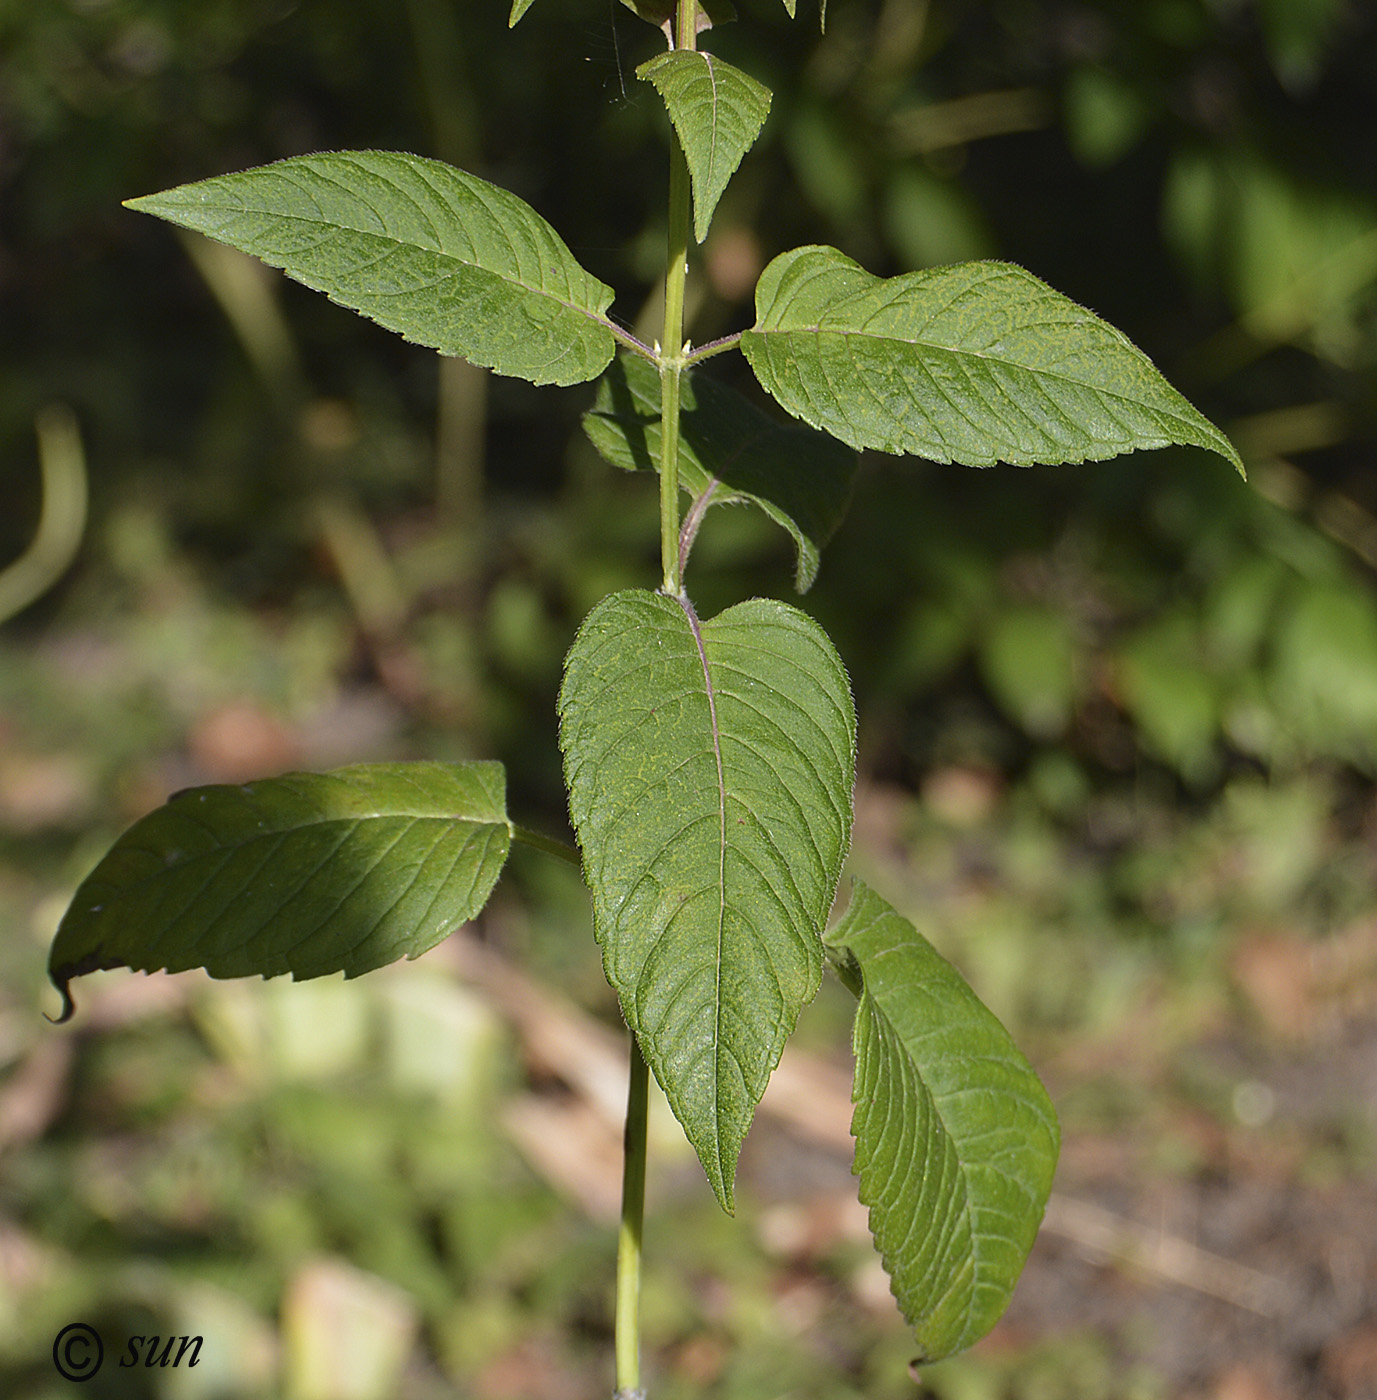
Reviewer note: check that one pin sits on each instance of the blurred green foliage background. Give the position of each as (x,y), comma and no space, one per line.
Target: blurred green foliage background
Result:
(1119,722)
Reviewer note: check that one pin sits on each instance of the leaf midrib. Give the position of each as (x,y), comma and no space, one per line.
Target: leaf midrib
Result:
(968,1194)
(398,244)
(957,352)
(696,628)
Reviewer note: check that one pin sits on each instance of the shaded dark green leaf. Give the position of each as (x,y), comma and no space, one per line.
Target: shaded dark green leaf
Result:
(308,873)
(956,1139)
(801,479)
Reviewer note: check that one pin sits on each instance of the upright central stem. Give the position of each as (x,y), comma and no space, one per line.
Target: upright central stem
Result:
(672,340)
(628,1329)
(671,357)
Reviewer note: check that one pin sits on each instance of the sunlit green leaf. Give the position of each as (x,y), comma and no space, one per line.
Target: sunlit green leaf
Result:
(956,1139)
(717,111)
(519,8)
(309,873)
(439,256)
(976,363)
(801,479)
(709,767)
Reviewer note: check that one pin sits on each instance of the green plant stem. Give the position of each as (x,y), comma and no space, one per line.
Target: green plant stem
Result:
(672,366)
(672,347)
(628,1332)
(551,845)
(713,347)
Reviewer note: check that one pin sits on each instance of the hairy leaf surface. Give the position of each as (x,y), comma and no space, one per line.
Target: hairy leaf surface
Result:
(709,767)
(308,873)
(976,363)
(801,479)
(956,1139)
(439,256)
(717,111)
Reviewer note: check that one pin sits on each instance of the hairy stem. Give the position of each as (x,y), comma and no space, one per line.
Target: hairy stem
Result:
(713,347)
(552,845)
(628,1332)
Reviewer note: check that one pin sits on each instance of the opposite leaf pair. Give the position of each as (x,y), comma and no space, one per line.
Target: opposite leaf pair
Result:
(313,873)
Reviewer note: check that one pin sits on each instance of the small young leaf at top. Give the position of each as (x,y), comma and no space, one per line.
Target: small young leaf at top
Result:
(956,1139)
(308,873)
(801,479)
(717,111)
(439,256)
(519,8)
(709,767)
(978,363)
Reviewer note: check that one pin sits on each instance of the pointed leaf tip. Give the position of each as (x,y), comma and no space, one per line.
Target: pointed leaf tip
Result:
(977,363)
(717,112)
(433,253)
(308,873)
(956,1139)
(519,8)
(709,767)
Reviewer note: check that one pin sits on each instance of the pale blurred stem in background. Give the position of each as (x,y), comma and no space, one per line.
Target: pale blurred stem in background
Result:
(62,517)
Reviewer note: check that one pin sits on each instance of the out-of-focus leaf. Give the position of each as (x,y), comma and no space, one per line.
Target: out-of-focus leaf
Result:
(1104,114)
(956,1139)
(801,479)
(1170,694)
(1297,33)
(1027,657)
(308,873)
(1323,672)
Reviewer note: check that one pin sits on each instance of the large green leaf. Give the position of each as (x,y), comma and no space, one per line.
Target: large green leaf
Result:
(976,363)
(709,767)
(309,873)
(717,111)
(801,479)
(956,1139)
(443,258)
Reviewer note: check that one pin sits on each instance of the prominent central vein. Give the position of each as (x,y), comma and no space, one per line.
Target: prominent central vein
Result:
(696,628)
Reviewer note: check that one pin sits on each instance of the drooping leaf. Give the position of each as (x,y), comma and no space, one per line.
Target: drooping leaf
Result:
(717,111)
(801,479)
(439,256)
(956,1139)
(975,363)
(709,767)
(308,873)
(519,8)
